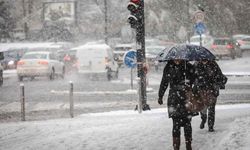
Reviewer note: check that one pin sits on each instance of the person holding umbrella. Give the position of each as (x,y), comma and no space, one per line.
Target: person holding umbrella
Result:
(208,80)
(178,74)
(174,74)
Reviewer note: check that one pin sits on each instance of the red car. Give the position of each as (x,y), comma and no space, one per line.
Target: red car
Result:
(224,47)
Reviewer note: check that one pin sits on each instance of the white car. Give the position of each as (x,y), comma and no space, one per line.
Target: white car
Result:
(243,40)
(41,63)
(96,60)
(120,50)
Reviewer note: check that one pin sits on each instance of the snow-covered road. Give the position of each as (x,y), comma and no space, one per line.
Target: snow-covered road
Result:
(126,130)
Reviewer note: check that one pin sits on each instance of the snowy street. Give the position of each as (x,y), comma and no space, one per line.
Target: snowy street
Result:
(127,130)
(108,74)
(50,99)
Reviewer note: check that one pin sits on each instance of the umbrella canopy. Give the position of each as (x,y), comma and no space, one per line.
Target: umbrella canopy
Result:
(187,52)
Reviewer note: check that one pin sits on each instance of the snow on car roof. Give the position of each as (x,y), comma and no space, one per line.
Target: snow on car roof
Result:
(38,52)
(10,46)
(91,46)
(124,45)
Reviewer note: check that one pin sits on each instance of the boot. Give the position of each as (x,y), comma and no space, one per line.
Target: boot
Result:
(188,143)
(203,120)
(202,125)
(176,143)
(211,129)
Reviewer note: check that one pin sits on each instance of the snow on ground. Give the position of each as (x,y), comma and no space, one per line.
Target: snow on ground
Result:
(126,130)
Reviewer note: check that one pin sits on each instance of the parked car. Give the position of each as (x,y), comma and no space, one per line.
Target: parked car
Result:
(40,63)
(70,60)
(97,60)
(224,47)
(11,57)
(119,51)
(243,40)
(244,44)
(151,53)
(207,40)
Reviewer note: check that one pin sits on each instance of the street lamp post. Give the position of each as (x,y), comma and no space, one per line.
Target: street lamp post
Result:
(106,21)
(25,26)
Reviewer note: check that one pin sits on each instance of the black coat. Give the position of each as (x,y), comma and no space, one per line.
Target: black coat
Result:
(209,77)
(175,75)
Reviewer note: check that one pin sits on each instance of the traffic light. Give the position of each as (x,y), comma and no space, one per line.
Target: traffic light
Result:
(135,8)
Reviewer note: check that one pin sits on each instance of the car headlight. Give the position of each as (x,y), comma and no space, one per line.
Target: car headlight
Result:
(11,62)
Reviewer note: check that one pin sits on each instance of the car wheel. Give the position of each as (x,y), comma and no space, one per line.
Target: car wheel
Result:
(20,78)
(52,75)
(32,78)
(109,76)
(116,74)
(240,54)
(1,81)
(63,73)
(232,56)
(1,77)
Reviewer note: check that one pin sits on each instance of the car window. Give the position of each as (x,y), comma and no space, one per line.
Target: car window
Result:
(222,42)
(35,56)
(154,50)
(122,48)
(110,54)
(246,39)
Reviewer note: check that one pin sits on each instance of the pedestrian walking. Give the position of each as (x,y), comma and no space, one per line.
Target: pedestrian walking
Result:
(208,80)
(178,75)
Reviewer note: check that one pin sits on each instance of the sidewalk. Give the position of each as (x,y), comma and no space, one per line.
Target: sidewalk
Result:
(127,130)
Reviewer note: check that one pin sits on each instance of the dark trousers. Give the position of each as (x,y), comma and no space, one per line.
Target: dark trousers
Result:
(210,117)
(182,122)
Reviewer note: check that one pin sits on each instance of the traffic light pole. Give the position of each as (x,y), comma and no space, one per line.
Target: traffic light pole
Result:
(140,33)
(137,22)
(106,21)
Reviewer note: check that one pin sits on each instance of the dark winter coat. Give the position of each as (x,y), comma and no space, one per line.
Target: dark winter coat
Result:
(174,75)
(209,77)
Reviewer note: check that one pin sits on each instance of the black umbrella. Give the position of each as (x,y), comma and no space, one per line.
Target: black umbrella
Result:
(186,52)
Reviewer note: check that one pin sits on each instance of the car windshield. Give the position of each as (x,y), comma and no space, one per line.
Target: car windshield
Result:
(246,39)
(154,50)
(122,48)
(35,56)
(221,42)
(240,37)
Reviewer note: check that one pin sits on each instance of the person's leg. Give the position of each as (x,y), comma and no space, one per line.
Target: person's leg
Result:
(211,118)
(188,133)
(176,133)
(203,114)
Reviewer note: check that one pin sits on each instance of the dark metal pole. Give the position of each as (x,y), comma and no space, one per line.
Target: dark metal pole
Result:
(145,106)
(200,40)
(141,66)
(25,26)
(22,99)
(106,21)
(131,75)
(189,27)
(71,100)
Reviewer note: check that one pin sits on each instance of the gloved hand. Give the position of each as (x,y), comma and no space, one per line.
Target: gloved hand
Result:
(160,101)
(195,89)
